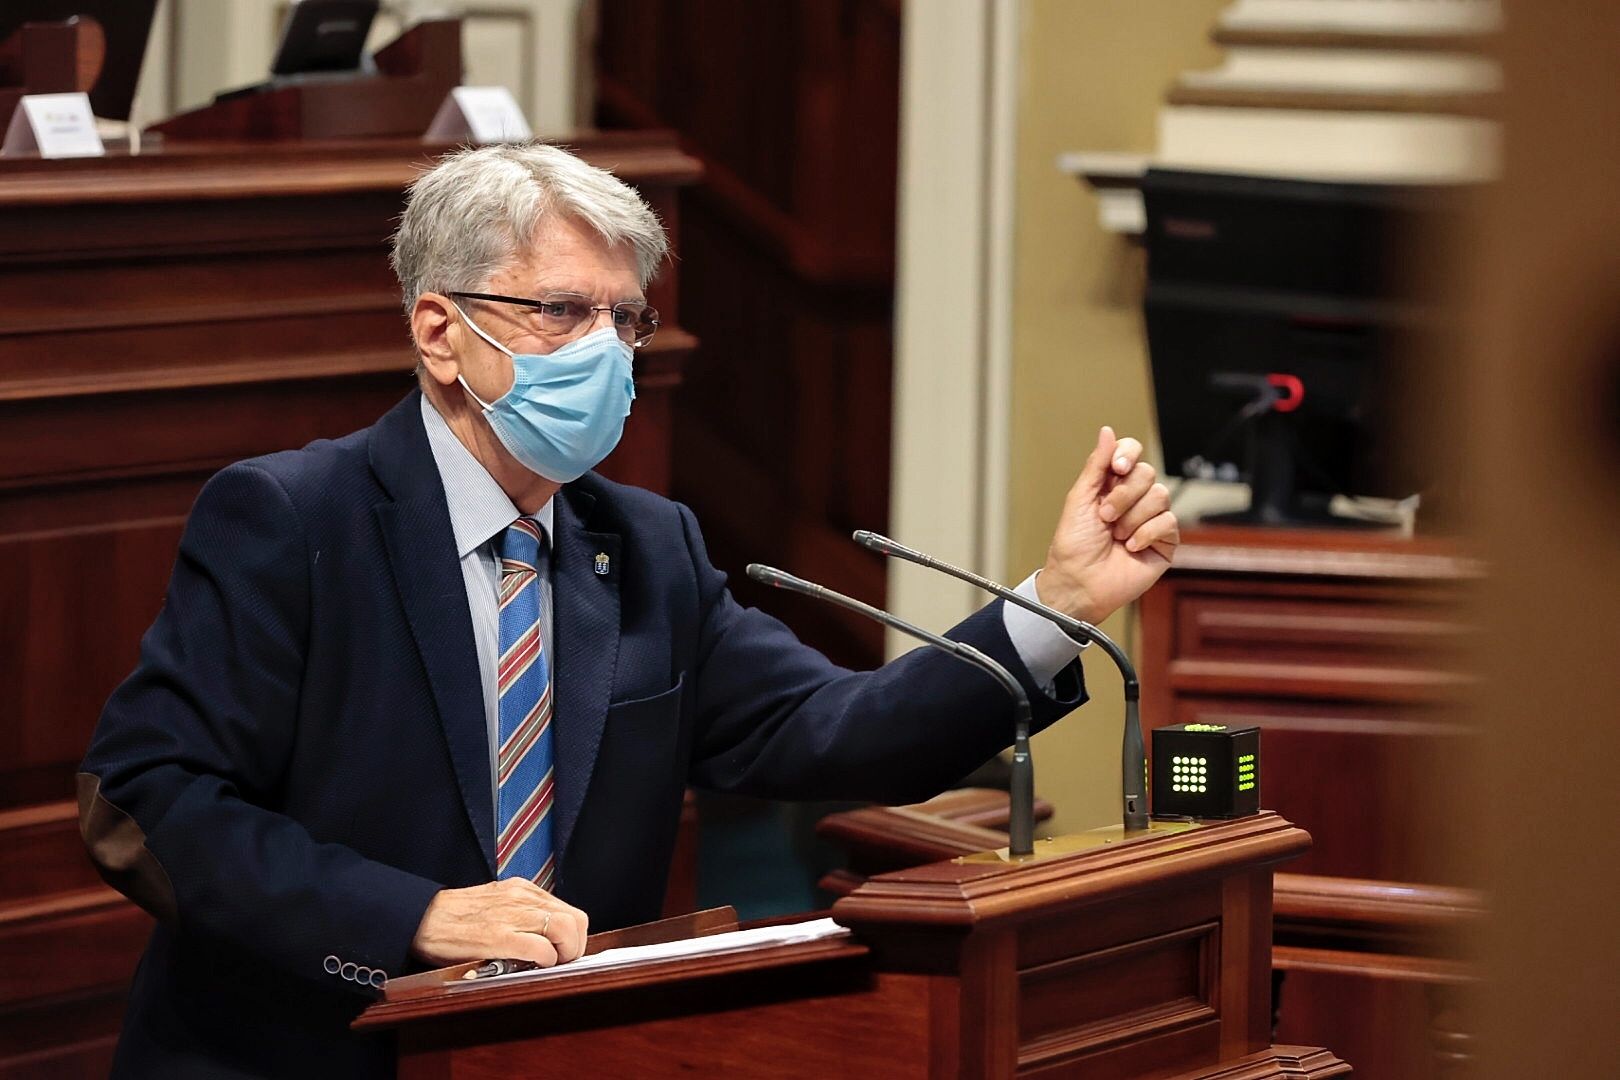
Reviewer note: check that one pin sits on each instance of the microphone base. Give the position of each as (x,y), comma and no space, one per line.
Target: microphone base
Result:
(1107,836)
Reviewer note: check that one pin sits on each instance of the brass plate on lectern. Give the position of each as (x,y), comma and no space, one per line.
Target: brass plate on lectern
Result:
(1057,846)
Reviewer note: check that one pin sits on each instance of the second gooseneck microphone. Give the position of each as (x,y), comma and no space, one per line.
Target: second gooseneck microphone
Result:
(1133,754)
(1021,826)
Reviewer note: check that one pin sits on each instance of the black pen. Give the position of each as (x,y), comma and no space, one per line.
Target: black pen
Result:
(499,967)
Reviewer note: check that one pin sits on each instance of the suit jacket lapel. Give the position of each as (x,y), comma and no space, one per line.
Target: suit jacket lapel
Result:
(585,644)
(427,573)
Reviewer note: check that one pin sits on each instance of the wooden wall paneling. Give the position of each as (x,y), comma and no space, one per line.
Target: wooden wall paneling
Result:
(1380,1026)
(68,946)
(43,853)
(165,316)
(70,1038)
(1359,775)
(1348,651)
(783,428)
(781,436)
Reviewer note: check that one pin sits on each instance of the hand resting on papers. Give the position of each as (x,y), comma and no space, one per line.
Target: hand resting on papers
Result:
(511,919)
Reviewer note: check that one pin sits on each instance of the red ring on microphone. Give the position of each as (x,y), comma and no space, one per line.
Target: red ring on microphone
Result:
(1293,391)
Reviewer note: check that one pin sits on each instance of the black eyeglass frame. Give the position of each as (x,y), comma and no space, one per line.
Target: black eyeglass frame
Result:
(644,308)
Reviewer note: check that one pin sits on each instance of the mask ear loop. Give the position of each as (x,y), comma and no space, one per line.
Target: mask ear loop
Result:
(475,328)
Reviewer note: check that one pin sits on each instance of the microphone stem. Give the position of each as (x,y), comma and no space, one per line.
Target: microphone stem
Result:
(1021,788)
(1133,752)
(1021,832)
(1133,763)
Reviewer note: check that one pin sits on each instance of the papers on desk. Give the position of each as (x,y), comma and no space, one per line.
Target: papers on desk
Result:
(713,945)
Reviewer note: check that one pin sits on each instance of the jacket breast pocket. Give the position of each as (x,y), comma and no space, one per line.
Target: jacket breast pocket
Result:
(649,717)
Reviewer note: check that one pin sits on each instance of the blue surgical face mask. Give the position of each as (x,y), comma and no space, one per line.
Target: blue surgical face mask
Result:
(566,409)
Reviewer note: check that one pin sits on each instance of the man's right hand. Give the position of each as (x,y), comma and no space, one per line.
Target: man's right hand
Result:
(513,919)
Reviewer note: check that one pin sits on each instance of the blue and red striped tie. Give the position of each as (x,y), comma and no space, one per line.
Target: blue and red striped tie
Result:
(525,782)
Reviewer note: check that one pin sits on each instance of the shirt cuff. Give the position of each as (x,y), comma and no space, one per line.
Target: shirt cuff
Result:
(1044,649)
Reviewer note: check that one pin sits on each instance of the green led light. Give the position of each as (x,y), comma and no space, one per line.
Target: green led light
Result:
(1246,757)
(1246,787)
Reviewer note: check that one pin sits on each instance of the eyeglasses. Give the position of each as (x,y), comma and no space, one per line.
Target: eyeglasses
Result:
(563,313)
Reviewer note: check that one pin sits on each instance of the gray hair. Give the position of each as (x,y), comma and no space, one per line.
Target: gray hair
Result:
(475,211)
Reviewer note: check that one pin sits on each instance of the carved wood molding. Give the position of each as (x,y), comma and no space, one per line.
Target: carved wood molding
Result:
(214,171)
(1277,1063)
(1313,898)
(1150,1021)
(1425,970)
(1294,554)
(658,365)
(21,914)
(988,807)
(387,1014)
(979,894)
(1325,681)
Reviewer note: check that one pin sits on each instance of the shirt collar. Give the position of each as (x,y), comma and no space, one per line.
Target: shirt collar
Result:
(479,509)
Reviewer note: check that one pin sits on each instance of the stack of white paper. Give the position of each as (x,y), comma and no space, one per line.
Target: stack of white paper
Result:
(713,945)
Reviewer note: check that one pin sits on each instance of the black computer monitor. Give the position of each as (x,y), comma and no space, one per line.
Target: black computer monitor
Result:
(1275,327)
(323,36)
(126,23)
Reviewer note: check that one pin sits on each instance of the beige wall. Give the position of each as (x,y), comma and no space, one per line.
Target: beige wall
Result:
(1093,73)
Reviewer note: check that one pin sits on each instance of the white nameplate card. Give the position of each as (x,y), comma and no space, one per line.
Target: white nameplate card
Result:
(479,114)
(53,126)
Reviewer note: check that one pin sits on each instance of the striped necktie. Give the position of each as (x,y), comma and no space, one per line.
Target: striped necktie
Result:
(524,785)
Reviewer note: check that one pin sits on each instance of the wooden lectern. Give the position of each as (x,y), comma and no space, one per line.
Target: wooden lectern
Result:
(415,73)
(1101,956)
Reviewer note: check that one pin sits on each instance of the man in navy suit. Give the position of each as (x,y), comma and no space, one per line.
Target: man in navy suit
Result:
(432,692)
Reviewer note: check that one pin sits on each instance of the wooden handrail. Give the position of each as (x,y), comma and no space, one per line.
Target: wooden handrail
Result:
(1313,898)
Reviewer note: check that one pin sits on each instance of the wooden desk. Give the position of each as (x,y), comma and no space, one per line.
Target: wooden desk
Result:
(160,317)
(1348,651)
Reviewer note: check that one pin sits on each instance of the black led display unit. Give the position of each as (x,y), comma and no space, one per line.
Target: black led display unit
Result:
(1206,771)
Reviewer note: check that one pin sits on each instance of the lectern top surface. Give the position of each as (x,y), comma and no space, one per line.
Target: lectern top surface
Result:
(1092,840)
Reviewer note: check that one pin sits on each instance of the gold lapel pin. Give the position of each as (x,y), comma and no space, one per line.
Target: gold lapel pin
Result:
(601,565)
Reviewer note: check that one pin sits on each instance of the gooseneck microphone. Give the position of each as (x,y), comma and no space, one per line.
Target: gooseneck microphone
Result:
(1133,754)
(1021,823)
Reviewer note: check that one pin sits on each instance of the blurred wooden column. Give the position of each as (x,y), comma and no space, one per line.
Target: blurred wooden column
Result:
(1541,385)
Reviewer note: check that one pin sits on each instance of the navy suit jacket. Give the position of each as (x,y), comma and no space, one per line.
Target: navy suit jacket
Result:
(299,761)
